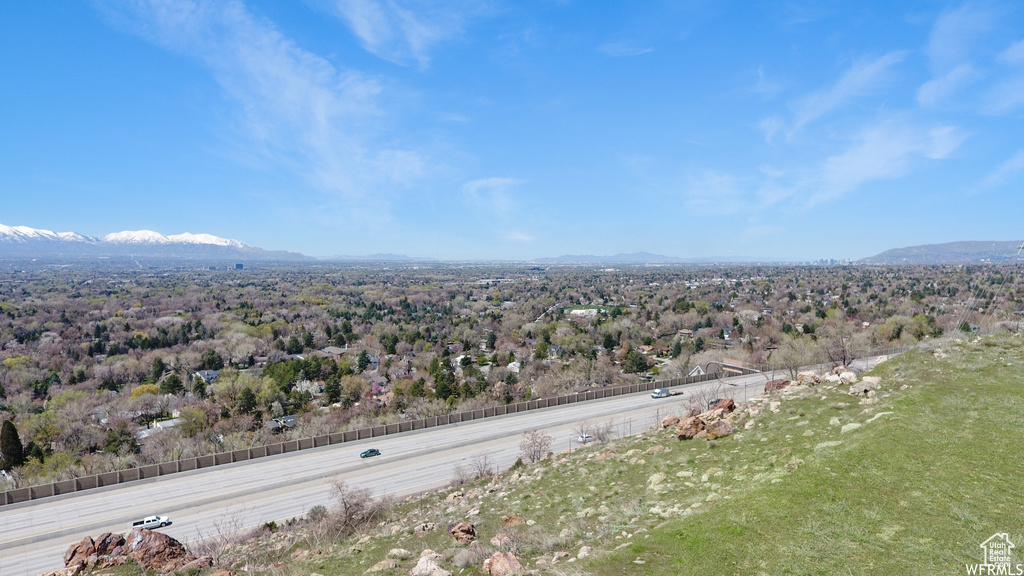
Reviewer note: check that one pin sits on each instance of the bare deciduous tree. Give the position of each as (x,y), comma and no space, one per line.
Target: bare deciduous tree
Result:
(535,445)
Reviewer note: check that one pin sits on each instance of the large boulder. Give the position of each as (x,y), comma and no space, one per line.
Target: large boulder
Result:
(669,421)
(463,532)
(107,544)
(150,550)
(502,564)
(726,405)
(79,552)
(848,377)
(808,378)
(156,551)
(692,427)
(775,385)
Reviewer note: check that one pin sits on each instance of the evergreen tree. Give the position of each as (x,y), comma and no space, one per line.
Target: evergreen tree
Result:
(635,362)
(677,349)
(120,438)
(332,390)
(12,453)
(212,361)
(246,401)
(172,385)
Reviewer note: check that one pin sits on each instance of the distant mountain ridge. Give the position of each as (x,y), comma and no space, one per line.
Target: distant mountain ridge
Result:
(22,241)
(949,253)
(643,258)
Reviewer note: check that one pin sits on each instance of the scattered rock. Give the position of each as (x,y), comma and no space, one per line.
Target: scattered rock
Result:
(463,532)
(383,565)
(605,456)
(427,565)
(865,386)
(669,421)
(426,527)
(849,427)
(656,481)
(775,385)
(774,406)
(655,449)
(399,553)
(501,540)
(848,377)
(827,445)
(559,555)
(877,416)
(455,496)
(513,520)
(584,552)
(502,564)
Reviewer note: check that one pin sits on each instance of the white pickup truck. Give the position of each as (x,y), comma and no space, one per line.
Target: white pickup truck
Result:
(151,522)
(664,393)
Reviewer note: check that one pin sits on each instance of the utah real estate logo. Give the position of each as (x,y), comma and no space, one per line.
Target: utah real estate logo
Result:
(997,558)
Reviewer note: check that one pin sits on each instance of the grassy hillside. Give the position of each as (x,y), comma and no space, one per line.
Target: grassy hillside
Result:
(934,468)
(912,492)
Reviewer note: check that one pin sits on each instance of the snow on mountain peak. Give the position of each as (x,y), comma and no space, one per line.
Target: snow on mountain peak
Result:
(136,237)
(26,234)
(22,234)
(189,238)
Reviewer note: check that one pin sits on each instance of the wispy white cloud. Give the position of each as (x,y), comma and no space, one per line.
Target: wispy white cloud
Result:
(949,48)
(938,89)
(1005,171)
(883,151)
(292,107)
(954,33)
(1014,54)
(492,194)
(624,48)
(1007,93)
(403,31)
(861,78)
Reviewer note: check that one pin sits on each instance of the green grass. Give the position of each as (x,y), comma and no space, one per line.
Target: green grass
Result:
(914,492)
(911,492)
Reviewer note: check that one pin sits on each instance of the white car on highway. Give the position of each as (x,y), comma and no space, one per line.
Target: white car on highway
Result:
(151,522)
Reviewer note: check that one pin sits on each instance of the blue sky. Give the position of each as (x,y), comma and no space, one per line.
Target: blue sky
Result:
(490,129)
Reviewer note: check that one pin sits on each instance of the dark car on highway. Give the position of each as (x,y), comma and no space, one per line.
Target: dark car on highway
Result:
(369,453)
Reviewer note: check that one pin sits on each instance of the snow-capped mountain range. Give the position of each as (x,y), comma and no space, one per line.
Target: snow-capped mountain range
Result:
(25,241)
(26,234)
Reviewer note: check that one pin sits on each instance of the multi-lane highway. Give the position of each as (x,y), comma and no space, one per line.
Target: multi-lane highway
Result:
(34,535)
